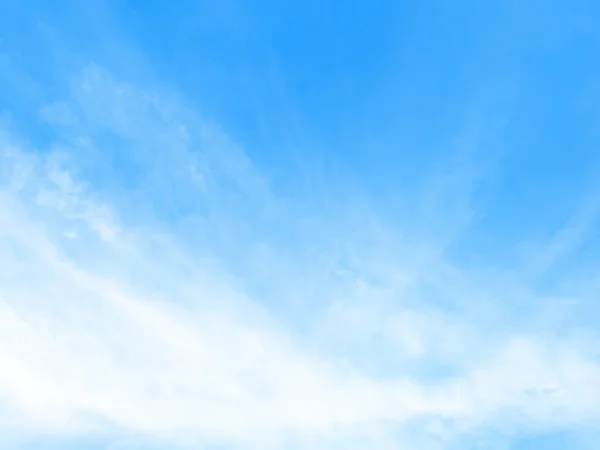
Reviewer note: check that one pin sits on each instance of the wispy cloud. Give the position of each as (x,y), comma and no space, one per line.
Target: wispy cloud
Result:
(150,277)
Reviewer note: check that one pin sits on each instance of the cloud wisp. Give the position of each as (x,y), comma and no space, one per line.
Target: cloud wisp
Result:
(149,286)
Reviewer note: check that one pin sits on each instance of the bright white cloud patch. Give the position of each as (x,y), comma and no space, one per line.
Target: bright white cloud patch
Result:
(115,326)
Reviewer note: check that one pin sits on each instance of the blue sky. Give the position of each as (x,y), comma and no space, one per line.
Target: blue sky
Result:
(304,225)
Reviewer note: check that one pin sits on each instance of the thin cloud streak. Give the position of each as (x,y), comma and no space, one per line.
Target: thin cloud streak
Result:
(108,326)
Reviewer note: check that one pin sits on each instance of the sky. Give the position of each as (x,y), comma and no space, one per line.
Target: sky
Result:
(299,225)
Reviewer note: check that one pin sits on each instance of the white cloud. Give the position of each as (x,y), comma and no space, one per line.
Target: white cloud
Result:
(124,328)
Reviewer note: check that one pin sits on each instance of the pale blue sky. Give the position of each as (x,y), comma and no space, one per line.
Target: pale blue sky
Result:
(304,225)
